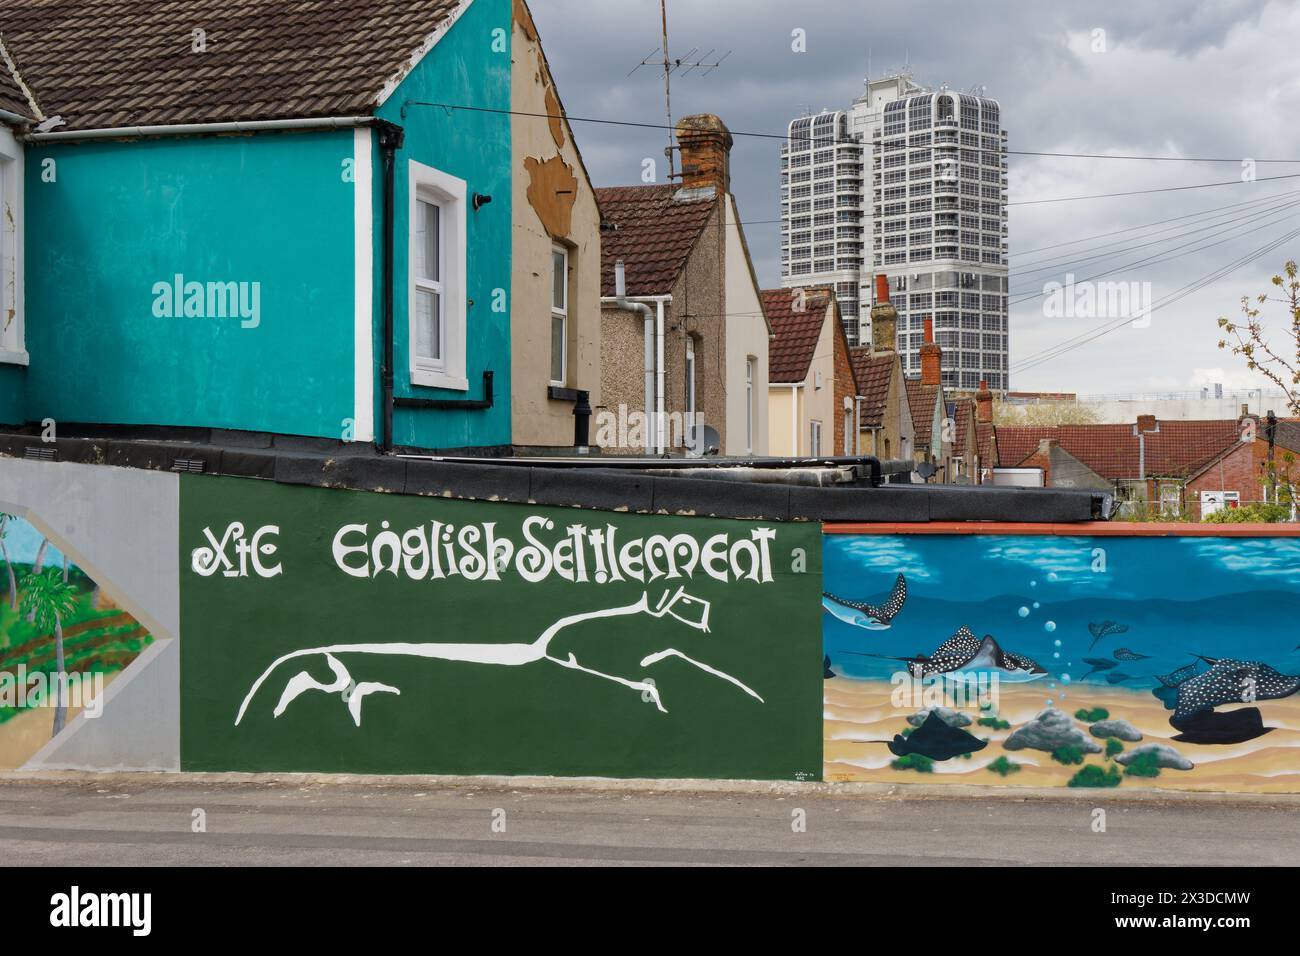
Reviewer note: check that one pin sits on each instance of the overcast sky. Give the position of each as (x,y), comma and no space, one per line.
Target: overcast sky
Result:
(1178,78)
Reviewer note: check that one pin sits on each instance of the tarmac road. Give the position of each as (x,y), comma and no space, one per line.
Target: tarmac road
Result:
(150,819)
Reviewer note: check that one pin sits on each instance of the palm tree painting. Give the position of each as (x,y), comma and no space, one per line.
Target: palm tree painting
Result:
(50,600)
(4,553)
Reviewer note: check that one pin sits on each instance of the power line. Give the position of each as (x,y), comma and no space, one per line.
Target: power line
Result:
(1162,189)
(834,141)
(1084,338)
(1158,222)
(1150,260)
(1246,217)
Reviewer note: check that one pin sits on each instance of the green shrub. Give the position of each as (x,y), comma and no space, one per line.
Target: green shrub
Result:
(1258,511)
(1091,716)
(1113,748)
(1143,765)
(1094,776)
(1067,755)
(994,722)
(1002,766)
(918,762)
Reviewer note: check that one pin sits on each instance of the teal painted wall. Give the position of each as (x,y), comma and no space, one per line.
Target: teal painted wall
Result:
(12,402)
(463,69)
(272,209)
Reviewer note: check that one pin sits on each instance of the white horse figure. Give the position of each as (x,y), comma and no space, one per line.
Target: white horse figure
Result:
(691,611)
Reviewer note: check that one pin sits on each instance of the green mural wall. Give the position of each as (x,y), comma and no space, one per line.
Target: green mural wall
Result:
(382,653)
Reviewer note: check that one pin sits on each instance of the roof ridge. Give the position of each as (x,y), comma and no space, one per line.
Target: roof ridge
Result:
(12,67)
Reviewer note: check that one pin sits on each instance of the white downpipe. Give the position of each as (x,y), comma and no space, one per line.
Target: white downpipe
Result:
(659,378)
(654,349)
(649,375)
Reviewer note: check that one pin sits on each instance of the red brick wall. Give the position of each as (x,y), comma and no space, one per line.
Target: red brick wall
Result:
(1236,472)
(843,388)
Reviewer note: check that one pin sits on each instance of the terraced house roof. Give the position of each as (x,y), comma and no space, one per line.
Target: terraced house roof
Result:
(103,64)
(653,230)
(796,332)
(921,398)
(873,374)
(1178,449)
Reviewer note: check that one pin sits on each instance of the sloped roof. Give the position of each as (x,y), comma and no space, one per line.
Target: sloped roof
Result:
(986,438)
(653,230)
(119,63)
(873,374)
(1178,449)
(12,98)
(922,399)
(963,417)
(796,332)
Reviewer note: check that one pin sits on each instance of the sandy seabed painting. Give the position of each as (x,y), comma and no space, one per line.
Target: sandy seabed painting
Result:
(1048,661)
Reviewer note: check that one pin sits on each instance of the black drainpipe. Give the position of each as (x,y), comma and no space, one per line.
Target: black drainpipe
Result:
(390,140)
(391,137)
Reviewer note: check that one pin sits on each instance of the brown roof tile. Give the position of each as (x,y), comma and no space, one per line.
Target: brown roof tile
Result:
(1178,449)
(653,230)
(922,398)
(114,63)
(873,373)
(796,332)
(986,437)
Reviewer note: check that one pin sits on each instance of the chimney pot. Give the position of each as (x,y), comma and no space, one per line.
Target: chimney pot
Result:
(884,319)
(984,404)
(931,357)
(705,144)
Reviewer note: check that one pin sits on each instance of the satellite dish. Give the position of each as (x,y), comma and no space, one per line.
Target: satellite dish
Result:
(702,440)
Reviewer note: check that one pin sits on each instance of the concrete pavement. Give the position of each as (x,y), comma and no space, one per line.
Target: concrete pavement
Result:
(290,820)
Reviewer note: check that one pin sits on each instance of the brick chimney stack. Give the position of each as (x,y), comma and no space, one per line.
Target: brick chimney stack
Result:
(884,319)
(984,404)
(705,144)
(1146,423)
(930,355)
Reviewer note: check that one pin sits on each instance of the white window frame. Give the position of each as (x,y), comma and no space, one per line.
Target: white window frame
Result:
(13,342)
(814,439)
(448,193)
(562,314)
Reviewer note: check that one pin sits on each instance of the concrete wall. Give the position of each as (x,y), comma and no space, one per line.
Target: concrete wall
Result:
(553,202)
(747,335)
(1109,655)
(784,408)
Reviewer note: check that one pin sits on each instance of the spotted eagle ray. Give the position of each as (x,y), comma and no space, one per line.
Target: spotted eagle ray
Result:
(1230,681)
(964,652)
(1124,654)
(1104,629)
(935,739)
(1098,664)
(869,616)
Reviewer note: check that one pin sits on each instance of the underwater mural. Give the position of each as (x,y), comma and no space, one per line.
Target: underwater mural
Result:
(1045,660)
(54,619)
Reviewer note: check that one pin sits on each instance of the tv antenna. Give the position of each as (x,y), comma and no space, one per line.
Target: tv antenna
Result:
(693,60)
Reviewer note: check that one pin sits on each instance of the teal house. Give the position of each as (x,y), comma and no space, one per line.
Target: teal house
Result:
(291,218)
